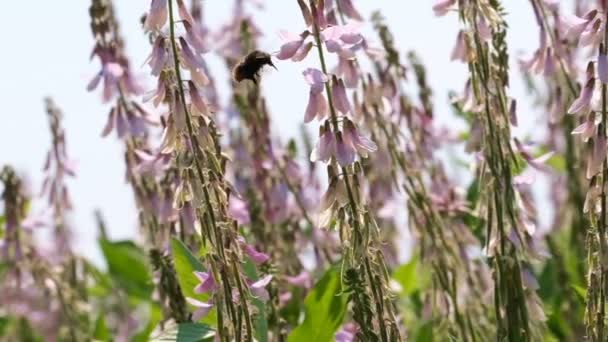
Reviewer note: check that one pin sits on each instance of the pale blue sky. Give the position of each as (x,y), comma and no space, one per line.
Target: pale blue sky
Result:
(45,51)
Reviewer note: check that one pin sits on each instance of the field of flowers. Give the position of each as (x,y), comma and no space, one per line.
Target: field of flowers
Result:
(245,234)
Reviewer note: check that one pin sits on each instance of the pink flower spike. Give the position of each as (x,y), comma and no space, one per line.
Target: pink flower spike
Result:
(442,7)
(157,17)
(259,287)
(207,283)
(583,102)
(602,68)
(202,308)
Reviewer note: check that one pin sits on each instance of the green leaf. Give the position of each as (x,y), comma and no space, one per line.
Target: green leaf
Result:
(101,332)
(325,307)
(260,322)
(581,293)
(187,332)
(424,333)
(4,323)
(409,276)
(127,265)
(185,264)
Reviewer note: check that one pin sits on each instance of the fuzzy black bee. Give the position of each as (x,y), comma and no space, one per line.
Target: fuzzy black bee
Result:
(249,67)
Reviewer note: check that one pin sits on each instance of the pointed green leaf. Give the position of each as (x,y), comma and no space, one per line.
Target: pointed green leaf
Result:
(325,307)
(127,265)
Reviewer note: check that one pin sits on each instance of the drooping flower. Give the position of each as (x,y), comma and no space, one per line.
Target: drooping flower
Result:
(157,16)
(206,282)
(317,104)
(573,26)
(292,44)
(202,308)
(325,147)
(442,7)
(583,102)
(338,92)
(258,288)
(255,255)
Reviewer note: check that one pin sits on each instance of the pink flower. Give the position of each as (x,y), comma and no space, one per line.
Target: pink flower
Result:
(325,147)
(535,162)
(158,57)
(344,40)
(157,16)
(573,26)
(202,308)
(301,280)
(258,288)
(255,255)
(339,96)
(196,99)
(361,143)
(349,10)
(110,73)
(193,37)
(157,95)
(348,333)
(587,129)
(345,153)
(317,105)
(191,61)
(347,69)
(583,102)
(131,122)
(459,53)
(292,44)
(592,34)
(238,210)
(442,7)
(207,283)
(184,13)
(151,164)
